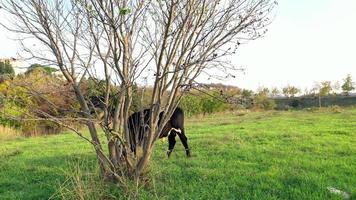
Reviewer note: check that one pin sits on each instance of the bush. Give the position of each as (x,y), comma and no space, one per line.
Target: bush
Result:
(295,103)
(201,104)
(6,69)
(263,102)
(46,69)
(211,105)
(191,105)
(19,100)
(335,109)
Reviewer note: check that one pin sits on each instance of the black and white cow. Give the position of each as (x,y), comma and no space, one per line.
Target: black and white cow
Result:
(138,126)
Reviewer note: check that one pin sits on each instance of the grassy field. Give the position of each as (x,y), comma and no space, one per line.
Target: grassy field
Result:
(256,155)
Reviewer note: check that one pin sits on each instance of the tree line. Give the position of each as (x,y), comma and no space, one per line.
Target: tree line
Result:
(323,88)
(19,99)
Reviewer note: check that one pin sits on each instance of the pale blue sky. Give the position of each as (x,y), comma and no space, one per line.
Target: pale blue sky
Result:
(309,40)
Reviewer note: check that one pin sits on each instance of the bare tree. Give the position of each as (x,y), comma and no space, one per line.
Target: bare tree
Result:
(166,43)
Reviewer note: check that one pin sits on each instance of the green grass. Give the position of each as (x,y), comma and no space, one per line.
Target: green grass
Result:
(259,155)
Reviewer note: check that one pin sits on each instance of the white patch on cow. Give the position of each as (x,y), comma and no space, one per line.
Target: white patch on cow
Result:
(176,130)
(333,190)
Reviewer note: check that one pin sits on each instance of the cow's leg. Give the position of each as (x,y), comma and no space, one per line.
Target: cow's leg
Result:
(184,141)
(132,141)
(171,142)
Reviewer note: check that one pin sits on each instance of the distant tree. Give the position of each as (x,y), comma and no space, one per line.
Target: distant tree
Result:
(6,69)
(322,89)
(246,93)
(314,91)
(348,85)
(275,92)
(94,87)
(293,91)
(263,91)
(290,91)
(307,92)
(325,88)
(336,87)
(261,100)
(47,69)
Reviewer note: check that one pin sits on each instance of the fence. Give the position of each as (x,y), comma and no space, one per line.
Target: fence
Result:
(307,102)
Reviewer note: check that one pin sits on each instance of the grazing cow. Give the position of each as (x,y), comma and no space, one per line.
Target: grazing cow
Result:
(138,127)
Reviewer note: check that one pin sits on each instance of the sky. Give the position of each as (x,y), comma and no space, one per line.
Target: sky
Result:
(308,41)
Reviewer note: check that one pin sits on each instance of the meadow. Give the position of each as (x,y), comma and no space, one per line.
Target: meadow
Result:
(238,155)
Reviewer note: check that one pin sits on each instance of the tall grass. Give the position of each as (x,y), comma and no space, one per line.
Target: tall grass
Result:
(8,133)
(82,183)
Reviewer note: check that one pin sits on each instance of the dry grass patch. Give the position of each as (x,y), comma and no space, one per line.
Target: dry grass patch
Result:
(8,133)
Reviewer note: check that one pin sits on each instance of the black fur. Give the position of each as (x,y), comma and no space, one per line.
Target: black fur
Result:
(138,126)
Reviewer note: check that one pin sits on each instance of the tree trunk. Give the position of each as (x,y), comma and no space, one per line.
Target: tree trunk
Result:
(99,151)
(102,159)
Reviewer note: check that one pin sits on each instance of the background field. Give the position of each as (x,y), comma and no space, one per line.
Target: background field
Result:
(242,155)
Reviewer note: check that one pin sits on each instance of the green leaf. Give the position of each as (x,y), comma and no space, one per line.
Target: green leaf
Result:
(125,11)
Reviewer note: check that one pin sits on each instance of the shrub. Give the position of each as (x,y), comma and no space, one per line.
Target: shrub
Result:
(335,109)
(211,105)
(202,104)
(46,69)
(6,69)
(295,103)
(263,102)
(191,104)
(18,102)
